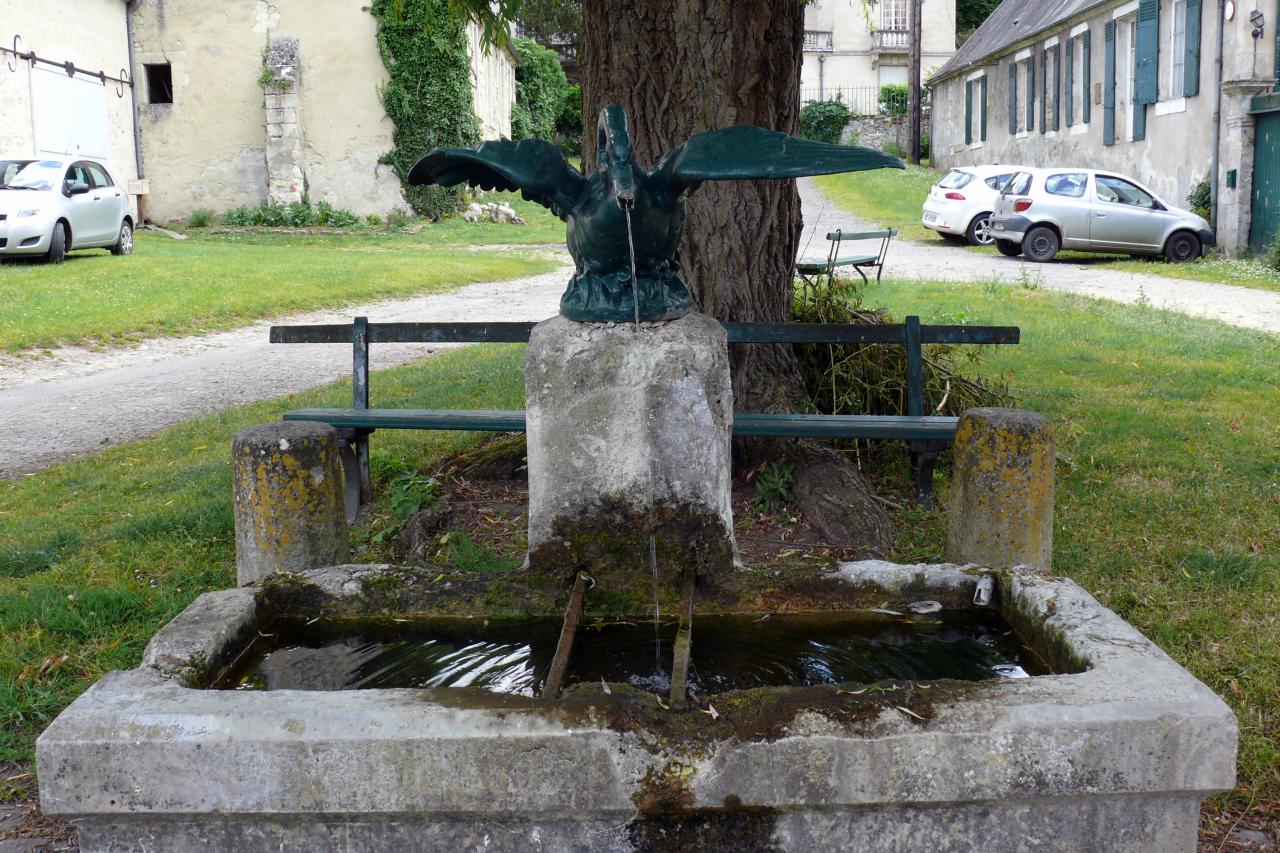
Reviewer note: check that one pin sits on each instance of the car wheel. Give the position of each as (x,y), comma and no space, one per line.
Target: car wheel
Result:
(124,243)
(57,245)
(1041,244)
(1008,248)
(1182,248)
(979,233)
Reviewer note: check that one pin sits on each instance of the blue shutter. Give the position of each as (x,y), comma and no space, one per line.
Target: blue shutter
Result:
(1109,87)
(1057,87)
(1139,122)
(1071,82)
(982,95)
(1086,63)
(1147,77)
(968,112)
(1013,97)
(1191,83)
(1031,93)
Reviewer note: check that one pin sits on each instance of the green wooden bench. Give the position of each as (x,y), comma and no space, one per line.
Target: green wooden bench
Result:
(813,271)
(927,435)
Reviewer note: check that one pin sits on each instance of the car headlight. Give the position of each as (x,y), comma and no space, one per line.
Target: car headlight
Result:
(30,211)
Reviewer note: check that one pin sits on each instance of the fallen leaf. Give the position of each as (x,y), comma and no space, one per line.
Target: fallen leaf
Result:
(663,705)
(852,692)
(711,710)
(605,686)
(762,618)
(909,712)
(439,578)
(886,612)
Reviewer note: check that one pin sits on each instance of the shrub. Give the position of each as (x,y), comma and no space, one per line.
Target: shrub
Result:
(297,214)
(541,89)
(373,220)
(334,217)
(569,122)
(824,121)
(397,219)
(774,486)
(200,218)
(893,99)
(1200,198)
(1273,258)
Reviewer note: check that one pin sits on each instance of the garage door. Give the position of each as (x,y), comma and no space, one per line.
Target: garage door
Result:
(69,114)
(1266,183)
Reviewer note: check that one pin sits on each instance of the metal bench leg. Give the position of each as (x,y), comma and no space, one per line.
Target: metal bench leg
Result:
(353,450)
(924,464)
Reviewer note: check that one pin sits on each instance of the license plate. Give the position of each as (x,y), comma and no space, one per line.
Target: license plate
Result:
(930,217)
(999,226)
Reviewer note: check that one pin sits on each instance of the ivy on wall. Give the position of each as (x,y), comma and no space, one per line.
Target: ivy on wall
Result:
(541,89)
(428,95)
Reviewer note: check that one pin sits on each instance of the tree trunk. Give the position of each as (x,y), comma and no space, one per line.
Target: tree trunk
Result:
(681,67)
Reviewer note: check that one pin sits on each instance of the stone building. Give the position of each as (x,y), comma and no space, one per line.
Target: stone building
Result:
(1129,85)
(214,136)
(49,108)
(853,47)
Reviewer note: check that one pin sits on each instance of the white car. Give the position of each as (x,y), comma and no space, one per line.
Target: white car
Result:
(959,206)
(49,207)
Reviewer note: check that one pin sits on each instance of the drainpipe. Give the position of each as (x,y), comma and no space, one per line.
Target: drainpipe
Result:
(822,61)
(1216,143)
(133,94)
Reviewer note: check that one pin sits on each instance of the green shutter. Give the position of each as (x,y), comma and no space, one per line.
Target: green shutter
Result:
(1109,87)
(1044,90)
(968,112)
(1013,97)
(1191,84)
(1139,122)
(982,94)
(1086,83)
(1057,87)
(1276,26)
(1071,82)
(1031,93)
(1147,77)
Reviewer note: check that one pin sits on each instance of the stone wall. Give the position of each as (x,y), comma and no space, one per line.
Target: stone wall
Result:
(877,132)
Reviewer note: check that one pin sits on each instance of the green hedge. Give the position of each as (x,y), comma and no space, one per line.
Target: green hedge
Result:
(541,89)
(824,121)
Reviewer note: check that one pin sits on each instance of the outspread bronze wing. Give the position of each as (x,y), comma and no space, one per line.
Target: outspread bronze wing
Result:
(534,167)
(748,153)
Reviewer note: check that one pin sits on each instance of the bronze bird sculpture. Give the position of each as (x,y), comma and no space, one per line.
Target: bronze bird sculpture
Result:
(620,209)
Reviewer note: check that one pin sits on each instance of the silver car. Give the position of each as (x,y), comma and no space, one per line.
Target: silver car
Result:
(49,207)
(1042,211)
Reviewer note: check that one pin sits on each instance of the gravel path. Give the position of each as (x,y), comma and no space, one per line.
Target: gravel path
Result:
(78,401)
(1239,306)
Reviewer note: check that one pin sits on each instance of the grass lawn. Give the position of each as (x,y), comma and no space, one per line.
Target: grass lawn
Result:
(1168,501)
(221,280)
(892,199)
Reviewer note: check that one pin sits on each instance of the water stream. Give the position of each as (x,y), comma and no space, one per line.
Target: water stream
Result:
(653,545)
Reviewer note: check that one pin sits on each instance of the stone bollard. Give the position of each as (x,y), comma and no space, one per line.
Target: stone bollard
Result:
(1001,511)
(290,514)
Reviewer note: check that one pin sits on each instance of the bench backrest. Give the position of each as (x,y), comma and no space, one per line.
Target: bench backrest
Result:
(910,334)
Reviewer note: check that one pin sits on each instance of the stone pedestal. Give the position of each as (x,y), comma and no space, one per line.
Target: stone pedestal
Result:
(1001,512)
(289,506)
(629,434)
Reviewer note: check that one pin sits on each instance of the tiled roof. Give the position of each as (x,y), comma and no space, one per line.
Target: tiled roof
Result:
(1010,23)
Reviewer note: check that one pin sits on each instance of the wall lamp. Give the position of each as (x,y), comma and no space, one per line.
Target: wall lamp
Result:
(1259,22)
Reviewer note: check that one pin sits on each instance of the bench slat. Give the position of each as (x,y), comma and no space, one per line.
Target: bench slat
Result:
(746,425)
(739,333)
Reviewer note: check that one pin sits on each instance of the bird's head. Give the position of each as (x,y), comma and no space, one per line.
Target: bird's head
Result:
(616,155)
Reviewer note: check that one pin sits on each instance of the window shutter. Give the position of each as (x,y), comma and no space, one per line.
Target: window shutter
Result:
(968,112)
(1086,83)
(1071,82)
(1057,87)
(1191,85)
(1147,90)
(1139,122)
(1031,93)
(1013,98)
(982,95)
(1044,90)
(1277,29)
(1109,87)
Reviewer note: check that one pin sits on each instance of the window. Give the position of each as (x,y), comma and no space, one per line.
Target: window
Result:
(1178,49)
(1019,184)
(998,181)
(893,74)
(956,180)
(893,15)
(159,83)
(1120,191)
(99,175)
(77,174)
(1071,185)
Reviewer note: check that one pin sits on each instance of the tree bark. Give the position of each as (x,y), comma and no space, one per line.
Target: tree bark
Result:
(681,67)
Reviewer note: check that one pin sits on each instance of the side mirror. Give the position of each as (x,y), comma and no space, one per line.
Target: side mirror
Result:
(78,188)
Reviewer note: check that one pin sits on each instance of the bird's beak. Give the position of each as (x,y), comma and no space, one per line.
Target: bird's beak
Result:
(624,187)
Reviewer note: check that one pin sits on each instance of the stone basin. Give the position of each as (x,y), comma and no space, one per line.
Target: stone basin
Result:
(1116,753)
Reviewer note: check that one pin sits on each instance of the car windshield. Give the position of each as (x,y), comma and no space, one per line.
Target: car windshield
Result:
(38,175)
(955,179)
(9,168)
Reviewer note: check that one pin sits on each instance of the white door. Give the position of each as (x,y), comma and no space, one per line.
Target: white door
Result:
(69,115)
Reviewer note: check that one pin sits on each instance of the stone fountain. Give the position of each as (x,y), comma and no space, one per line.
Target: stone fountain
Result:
(1109,745)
